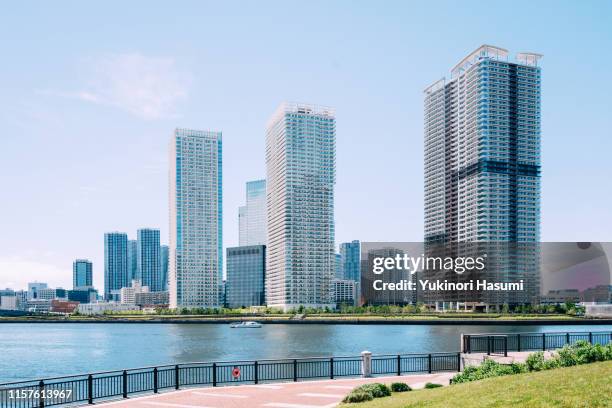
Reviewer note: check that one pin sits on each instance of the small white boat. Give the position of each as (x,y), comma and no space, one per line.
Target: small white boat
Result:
(246,325)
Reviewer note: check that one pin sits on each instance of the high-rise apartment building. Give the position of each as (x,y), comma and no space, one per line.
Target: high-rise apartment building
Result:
(300,161)
(252,216)
(82,274)
(149,259)
(196,255)
(482,150)
(246,267)
(482,160)
(351,262)
(133,260)
(115,264)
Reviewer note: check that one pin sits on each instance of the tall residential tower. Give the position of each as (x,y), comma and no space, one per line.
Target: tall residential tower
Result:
(300,161)
(196,255)
(115,264)
(149,259)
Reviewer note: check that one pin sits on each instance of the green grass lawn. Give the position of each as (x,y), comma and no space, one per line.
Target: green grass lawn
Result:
(588,385)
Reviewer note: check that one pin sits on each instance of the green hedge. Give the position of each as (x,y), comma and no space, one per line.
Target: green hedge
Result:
(581,352)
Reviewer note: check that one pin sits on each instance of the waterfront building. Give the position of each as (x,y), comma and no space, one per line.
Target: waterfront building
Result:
(127,295)
(252,216)
(82,274)
(82,295)
(149,269)
(351,262)
(149,299)
(102,307)
(38,306)
(300,162)
(345,292)
(115,263)
(63,306)
(132,253)
(34,287)
(482,161)
(196,245)
(245,284)
(163,253)
(9,302)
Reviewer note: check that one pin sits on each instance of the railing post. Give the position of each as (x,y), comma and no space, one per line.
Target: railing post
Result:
(90,389)
(125,384)
(155,380)
(459,362)
(429,363)
(567,338)
(41,395)
(177,377)
(469,343)
(295,371)
(543,341)
(518,342)
(214,374)
(488,345)
(331,368)
(505,346)
(591,337)
(399,365)
(366,364)
(256,372)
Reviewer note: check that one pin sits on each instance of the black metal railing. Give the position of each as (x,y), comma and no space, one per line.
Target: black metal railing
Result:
(503,343)
(90,388)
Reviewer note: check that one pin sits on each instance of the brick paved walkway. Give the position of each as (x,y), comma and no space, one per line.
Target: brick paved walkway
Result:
(304,394)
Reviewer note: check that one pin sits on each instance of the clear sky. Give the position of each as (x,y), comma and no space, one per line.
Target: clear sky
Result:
(91,92)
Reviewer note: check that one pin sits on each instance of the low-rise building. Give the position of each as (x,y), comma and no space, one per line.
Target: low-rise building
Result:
(128,295)
(345,292)
(9,302)
(105,307)
(63,306)
(143,299)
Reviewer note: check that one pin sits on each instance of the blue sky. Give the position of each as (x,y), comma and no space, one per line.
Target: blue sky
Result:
(91,92)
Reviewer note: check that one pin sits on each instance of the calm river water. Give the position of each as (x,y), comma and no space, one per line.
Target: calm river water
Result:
(41,350)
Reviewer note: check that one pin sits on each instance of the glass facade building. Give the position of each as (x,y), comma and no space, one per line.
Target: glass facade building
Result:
(163,253)
(133,260)
(195,249)
(244,285)
(300,162)
(482,154)
(252,216)
(82,274)
(149,259)
(351,262)
(115,263)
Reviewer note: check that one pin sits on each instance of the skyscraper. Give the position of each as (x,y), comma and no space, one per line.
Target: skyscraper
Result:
(163,253)
(196,256)
(252,216)
(300,161)
(246,267)
(482,166)
(351,262)
(133,261)
(149,259)
(115,264)
(82,274)
(482,150)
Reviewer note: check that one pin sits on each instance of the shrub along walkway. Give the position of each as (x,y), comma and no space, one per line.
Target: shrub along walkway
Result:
(513,357)
(303,394)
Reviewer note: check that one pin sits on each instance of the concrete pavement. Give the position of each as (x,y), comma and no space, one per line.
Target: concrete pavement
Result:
(303,394)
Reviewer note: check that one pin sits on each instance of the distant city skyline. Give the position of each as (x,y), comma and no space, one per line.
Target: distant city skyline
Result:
(87,117)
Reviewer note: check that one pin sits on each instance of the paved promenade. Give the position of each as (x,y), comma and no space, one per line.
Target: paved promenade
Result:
(303,394)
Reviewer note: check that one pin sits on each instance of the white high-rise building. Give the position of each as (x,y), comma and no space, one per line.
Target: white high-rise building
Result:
(300,161)
(196,246)
(252,216)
